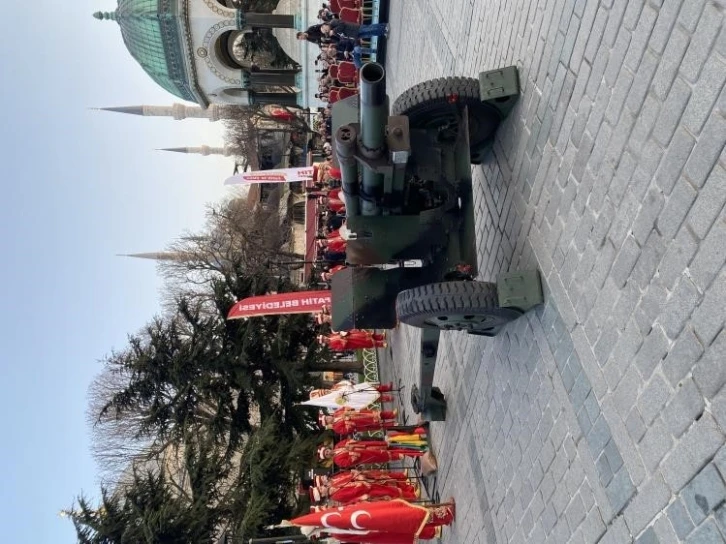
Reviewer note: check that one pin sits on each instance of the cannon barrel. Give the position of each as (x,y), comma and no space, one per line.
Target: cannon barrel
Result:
(373,120)
(373,107)
(345,144)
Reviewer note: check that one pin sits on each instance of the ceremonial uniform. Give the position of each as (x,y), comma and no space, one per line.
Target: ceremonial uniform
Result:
(386,522)
(350,453)
(349,421)
(355,339)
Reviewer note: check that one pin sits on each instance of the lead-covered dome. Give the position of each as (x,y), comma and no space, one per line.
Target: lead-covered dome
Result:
(152,31)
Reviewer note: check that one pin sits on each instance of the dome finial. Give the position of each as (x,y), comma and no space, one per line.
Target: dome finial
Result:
(100,15)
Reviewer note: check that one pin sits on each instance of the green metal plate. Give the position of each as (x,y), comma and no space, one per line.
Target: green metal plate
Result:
(522,290)
(500,88)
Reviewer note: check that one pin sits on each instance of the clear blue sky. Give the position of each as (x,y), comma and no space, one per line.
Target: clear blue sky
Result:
(79,187)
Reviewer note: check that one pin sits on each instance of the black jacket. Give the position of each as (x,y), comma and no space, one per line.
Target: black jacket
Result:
(344,30)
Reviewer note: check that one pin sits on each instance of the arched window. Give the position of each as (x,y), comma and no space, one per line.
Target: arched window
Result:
(230,51)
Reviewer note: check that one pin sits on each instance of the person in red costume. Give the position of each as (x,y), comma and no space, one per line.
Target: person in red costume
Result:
(351,453)
(386,522)
(352,486)
(357,491)
(344,385)
(335,204)
(346,420)
(354,339)
(391,477)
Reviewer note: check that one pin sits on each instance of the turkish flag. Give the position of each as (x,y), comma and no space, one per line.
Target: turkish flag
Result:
(396,516)
(297,302)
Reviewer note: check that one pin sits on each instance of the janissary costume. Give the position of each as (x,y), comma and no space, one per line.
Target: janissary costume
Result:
(350,453)
(388,476)
(357,490)
(345,393)
(354,339)
(346,420)
(386,522)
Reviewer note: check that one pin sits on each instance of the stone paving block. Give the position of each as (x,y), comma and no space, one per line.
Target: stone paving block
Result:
(653,497)
(617,532)
(678,206)
(640,37)
(672,111)
(720,517)
(655,445)
(677,257)
(653,398)
(654,349)
(620,489)
(709,203)
(575,512)
(701,42)
(679,518)
(664,531)
(650,306)
(707,533)
(622,225)
(705,266)
(684,407)
(674,160)
(704,493)
(649,212)
(700,443)
(638,101)
(707,150)
(670,62)
(682,302)
(634,424)
(710,371)
(664,24)
(647,264)
(648,537)
(705,93)
(625,261)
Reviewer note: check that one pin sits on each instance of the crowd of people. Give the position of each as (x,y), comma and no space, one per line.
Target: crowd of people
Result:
(344,46)
(368,504)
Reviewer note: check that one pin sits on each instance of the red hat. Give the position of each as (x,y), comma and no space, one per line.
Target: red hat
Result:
(321,419)
(321,452)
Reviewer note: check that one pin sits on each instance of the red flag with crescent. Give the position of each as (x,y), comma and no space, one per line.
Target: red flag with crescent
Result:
(394,516)
(297,302)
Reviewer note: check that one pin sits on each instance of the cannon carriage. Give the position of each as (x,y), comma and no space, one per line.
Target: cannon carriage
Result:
(407,185)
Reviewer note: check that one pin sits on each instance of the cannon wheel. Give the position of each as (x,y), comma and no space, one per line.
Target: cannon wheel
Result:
(430,105)
(454,305)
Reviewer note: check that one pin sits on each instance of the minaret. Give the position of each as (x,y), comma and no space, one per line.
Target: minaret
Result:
(214,112)
(160,256)
(203,150)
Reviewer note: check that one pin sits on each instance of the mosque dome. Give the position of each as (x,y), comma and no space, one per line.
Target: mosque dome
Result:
(151,30)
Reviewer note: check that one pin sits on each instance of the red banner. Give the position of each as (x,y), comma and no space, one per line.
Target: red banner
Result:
(300,302)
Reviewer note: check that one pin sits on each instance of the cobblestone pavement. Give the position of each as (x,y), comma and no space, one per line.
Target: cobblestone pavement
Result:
(600,417)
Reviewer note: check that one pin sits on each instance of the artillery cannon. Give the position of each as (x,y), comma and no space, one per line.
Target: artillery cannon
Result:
(407,185)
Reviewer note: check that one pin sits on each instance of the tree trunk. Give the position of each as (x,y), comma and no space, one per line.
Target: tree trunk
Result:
(336,366)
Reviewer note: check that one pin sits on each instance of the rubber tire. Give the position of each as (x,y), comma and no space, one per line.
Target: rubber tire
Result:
(420,306)
(423,102)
